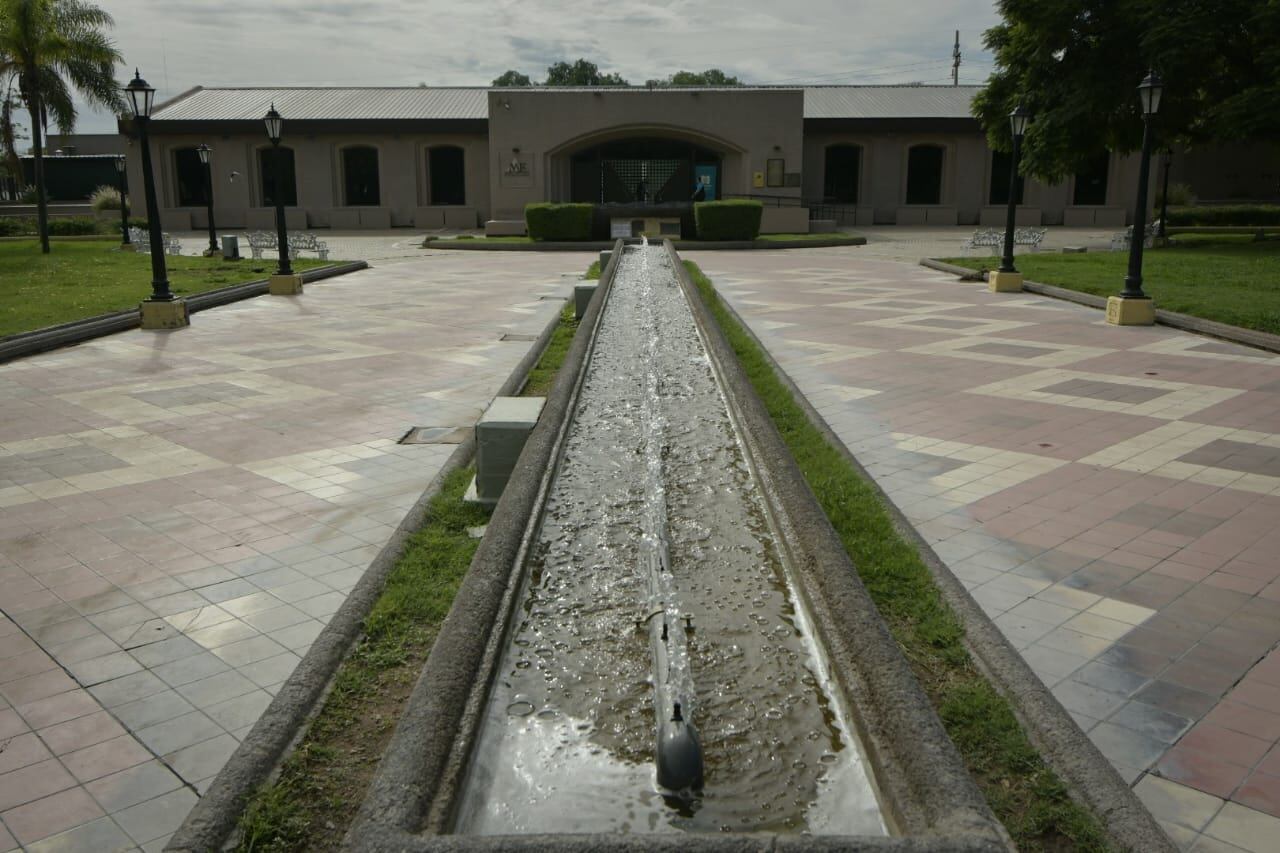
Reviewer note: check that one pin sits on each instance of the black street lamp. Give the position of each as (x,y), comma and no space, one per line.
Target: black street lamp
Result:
(203,150)
(161,310)
(1018,120)
(1150,91)
(122,181)
(274,124)
(1164,195)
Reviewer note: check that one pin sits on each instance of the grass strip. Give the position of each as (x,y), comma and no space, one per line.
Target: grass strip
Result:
(321,784)
(1026,795)
(1215,276)
(77,280)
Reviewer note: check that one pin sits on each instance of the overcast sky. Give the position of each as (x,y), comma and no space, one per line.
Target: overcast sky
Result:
(183,43)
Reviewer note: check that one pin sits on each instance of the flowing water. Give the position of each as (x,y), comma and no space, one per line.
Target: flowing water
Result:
(567,743)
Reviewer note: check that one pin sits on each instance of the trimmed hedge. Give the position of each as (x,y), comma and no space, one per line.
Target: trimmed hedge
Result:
(567,222)
(1226,214)
(733,219)
(59,226)
(72,225)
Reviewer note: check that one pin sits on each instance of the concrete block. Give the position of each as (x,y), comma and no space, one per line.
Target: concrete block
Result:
(1004,282)
(505,228)
(604,259)
(501,434)
(784,220)
(165,315)
(582,294)
(284,285)
(1122,311)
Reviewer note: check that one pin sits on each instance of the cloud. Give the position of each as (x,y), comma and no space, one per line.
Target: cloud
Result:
(182,43)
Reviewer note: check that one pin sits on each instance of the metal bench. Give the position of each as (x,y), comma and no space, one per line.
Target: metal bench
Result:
(984,238)
(141,240)
(259,241)
(1032,237)
(1120,240)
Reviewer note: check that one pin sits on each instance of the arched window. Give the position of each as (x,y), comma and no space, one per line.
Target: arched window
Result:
(189,172)
(286,181)
(999,191)
(924,174)
(1091,182)
(360,176)
(446,169)
(842,174)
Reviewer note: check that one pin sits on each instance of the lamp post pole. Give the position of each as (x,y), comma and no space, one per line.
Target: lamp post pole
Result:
(124,206)
(274,124)
(161,310)
(1164,195)
(204,151)
(1018,122)
(1132,307)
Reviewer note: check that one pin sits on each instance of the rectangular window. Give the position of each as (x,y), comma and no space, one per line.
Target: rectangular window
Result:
(190,178)
(776,172)
(924,174)
(286,181)
(360,177)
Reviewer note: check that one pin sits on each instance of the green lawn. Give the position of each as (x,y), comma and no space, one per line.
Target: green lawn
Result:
(80,279)
(1218,277)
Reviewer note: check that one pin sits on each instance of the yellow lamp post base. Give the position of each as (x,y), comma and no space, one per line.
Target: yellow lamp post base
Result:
(284,285)
(1130,311)
(1004,282)
(165,315)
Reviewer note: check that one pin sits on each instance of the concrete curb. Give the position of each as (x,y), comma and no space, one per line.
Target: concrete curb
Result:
(422,765)
(78,331)
(1088,774)
(1185,322)
(597,246)
(213,819)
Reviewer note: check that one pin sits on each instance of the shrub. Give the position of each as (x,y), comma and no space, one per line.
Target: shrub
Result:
(569,222)
(105,198)
(137,222)
(1180,195)
(1226,214)
(27,195)
(16,226)
(733,219)
(73,225)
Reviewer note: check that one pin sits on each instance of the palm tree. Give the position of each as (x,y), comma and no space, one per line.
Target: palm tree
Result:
(52,48)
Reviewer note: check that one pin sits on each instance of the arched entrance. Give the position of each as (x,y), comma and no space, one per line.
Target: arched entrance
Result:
(645,171)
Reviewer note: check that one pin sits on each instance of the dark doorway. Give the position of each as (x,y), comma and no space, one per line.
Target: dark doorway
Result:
(360,176)
(924,174)
(190,174)
(1091,182)
(842,174)
(286,181)
(999,193)
(644,172)
(446,166)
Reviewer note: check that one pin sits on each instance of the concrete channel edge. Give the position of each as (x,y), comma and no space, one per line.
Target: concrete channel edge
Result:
(78,331)
(410,804)
(1184,322)
(212,822)
(1087,773)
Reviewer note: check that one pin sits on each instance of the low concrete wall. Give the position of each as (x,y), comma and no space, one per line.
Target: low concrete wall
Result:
(1096,217)
(927,215)
(264,219)
(785,220)
(442,216)
(994,216)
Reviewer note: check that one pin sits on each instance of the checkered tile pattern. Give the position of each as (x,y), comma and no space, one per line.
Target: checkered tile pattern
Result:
(181,513)
(1109,495)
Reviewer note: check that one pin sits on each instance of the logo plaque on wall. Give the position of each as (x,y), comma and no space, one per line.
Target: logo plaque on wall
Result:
(516,170)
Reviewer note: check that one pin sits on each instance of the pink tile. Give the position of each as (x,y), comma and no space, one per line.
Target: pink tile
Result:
(101,759)
(1262,792)
(1225,744)
(32,782)
(1202,772)
(35,687)
(21,751)
(81,732)
(58,708)
(1257,694)
(1245,719)
(51,815)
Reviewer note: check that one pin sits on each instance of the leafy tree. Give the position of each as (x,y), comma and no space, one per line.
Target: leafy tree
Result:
(52,47)
(512,78)
(581,73)
(10,133)
(710,77)
(1075,64)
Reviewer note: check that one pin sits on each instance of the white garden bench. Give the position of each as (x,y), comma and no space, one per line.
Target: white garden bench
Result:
(1032,237)
(1120,240)
(984,238)
(141,240)
(259,241)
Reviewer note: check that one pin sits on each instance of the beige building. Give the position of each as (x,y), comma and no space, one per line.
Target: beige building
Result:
(459,157)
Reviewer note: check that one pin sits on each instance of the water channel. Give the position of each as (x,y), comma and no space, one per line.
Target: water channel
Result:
(652,463)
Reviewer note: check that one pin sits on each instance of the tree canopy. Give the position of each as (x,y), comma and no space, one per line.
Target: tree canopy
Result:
(1076,65)
(583,72)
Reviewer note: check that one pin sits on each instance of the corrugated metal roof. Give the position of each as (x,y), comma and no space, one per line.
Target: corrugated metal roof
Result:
(328,104)
(889,101)
(338,104)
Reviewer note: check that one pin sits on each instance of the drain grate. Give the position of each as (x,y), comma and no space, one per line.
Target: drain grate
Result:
(436,435)
(510,336)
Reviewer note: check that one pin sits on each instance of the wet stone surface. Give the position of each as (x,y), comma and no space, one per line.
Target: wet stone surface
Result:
(568,740)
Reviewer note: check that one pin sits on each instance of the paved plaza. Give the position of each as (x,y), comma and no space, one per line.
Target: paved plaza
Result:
(181,513)
(1110,496)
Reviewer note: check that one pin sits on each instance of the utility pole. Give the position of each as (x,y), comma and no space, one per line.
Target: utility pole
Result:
(955,61)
